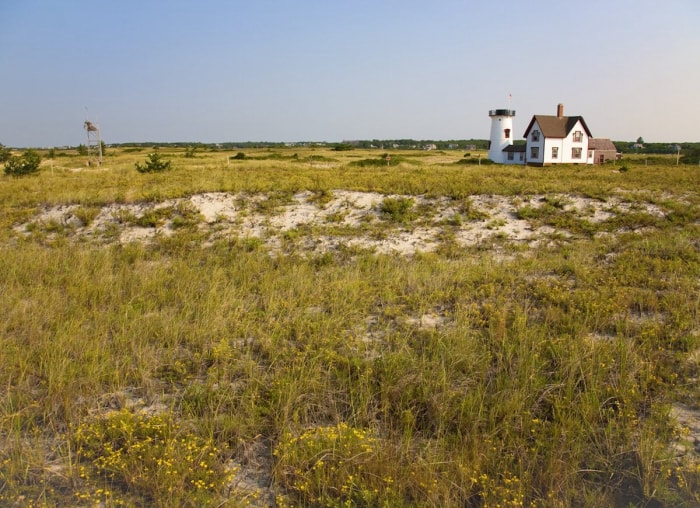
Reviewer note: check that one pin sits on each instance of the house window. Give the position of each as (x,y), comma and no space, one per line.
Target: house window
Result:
(534,152)
(590,154)
(576,153)
(578,136)
(506,133)
(555,152)
(510,156)
(535,135)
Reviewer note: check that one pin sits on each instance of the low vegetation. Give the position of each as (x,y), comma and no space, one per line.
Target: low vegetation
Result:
(22,165)
(203,368)
(155,163)
(5,153)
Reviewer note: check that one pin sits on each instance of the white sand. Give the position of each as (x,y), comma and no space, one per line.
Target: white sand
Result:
(357,213)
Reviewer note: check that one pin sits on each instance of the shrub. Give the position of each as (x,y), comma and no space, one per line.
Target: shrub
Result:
(239,156)
(5,153)
(25,164)
(86,214)
(475,160)
(369,163)
(535,212)
(337,465)
(150,456)
(397,208)
(381,161)
(154,164)
(691,156)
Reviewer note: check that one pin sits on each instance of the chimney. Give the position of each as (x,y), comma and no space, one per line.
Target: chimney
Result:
(560,110)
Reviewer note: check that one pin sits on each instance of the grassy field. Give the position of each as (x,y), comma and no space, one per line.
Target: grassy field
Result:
(202,369)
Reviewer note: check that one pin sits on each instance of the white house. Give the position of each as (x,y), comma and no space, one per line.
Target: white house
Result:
(557,139)
(549,140)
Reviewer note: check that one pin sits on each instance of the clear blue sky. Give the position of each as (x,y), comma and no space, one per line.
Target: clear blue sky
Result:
(332,70)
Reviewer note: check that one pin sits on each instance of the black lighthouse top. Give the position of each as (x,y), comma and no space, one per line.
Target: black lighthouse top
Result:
(502,112)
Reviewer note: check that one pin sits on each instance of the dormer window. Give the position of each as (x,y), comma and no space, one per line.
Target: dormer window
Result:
(578,136)
(506,133)
(535,135)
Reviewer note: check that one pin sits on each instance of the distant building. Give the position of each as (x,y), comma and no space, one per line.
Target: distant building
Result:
(549,139)
(601,150)
(514,154)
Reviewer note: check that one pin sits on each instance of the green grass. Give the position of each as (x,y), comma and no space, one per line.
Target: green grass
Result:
(547,381)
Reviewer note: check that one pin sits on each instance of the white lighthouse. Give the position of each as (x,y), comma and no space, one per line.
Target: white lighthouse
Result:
(501,133)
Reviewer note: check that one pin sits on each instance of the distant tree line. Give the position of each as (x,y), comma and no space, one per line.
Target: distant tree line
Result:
(653,148)
(404,144)
(419,144)
(399,144)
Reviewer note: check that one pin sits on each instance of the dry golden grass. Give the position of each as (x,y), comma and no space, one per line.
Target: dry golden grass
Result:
(470,376)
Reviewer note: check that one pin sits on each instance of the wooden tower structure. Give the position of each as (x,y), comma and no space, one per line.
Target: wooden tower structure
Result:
(94,143)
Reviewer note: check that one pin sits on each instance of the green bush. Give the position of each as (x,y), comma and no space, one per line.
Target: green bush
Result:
(475,160)
(5,153)
(691,156)
(154,164)
(398,209)
(239,156)
(25,164)
(380,161)
(368,163)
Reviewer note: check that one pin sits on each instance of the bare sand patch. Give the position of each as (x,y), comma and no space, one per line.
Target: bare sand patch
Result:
(359,215)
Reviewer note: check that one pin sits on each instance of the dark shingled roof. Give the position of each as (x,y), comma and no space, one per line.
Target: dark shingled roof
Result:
(601,144)
(515,148)
(555,126)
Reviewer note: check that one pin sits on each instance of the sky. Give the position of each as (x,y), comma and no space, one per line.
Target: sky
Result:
(331,70)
